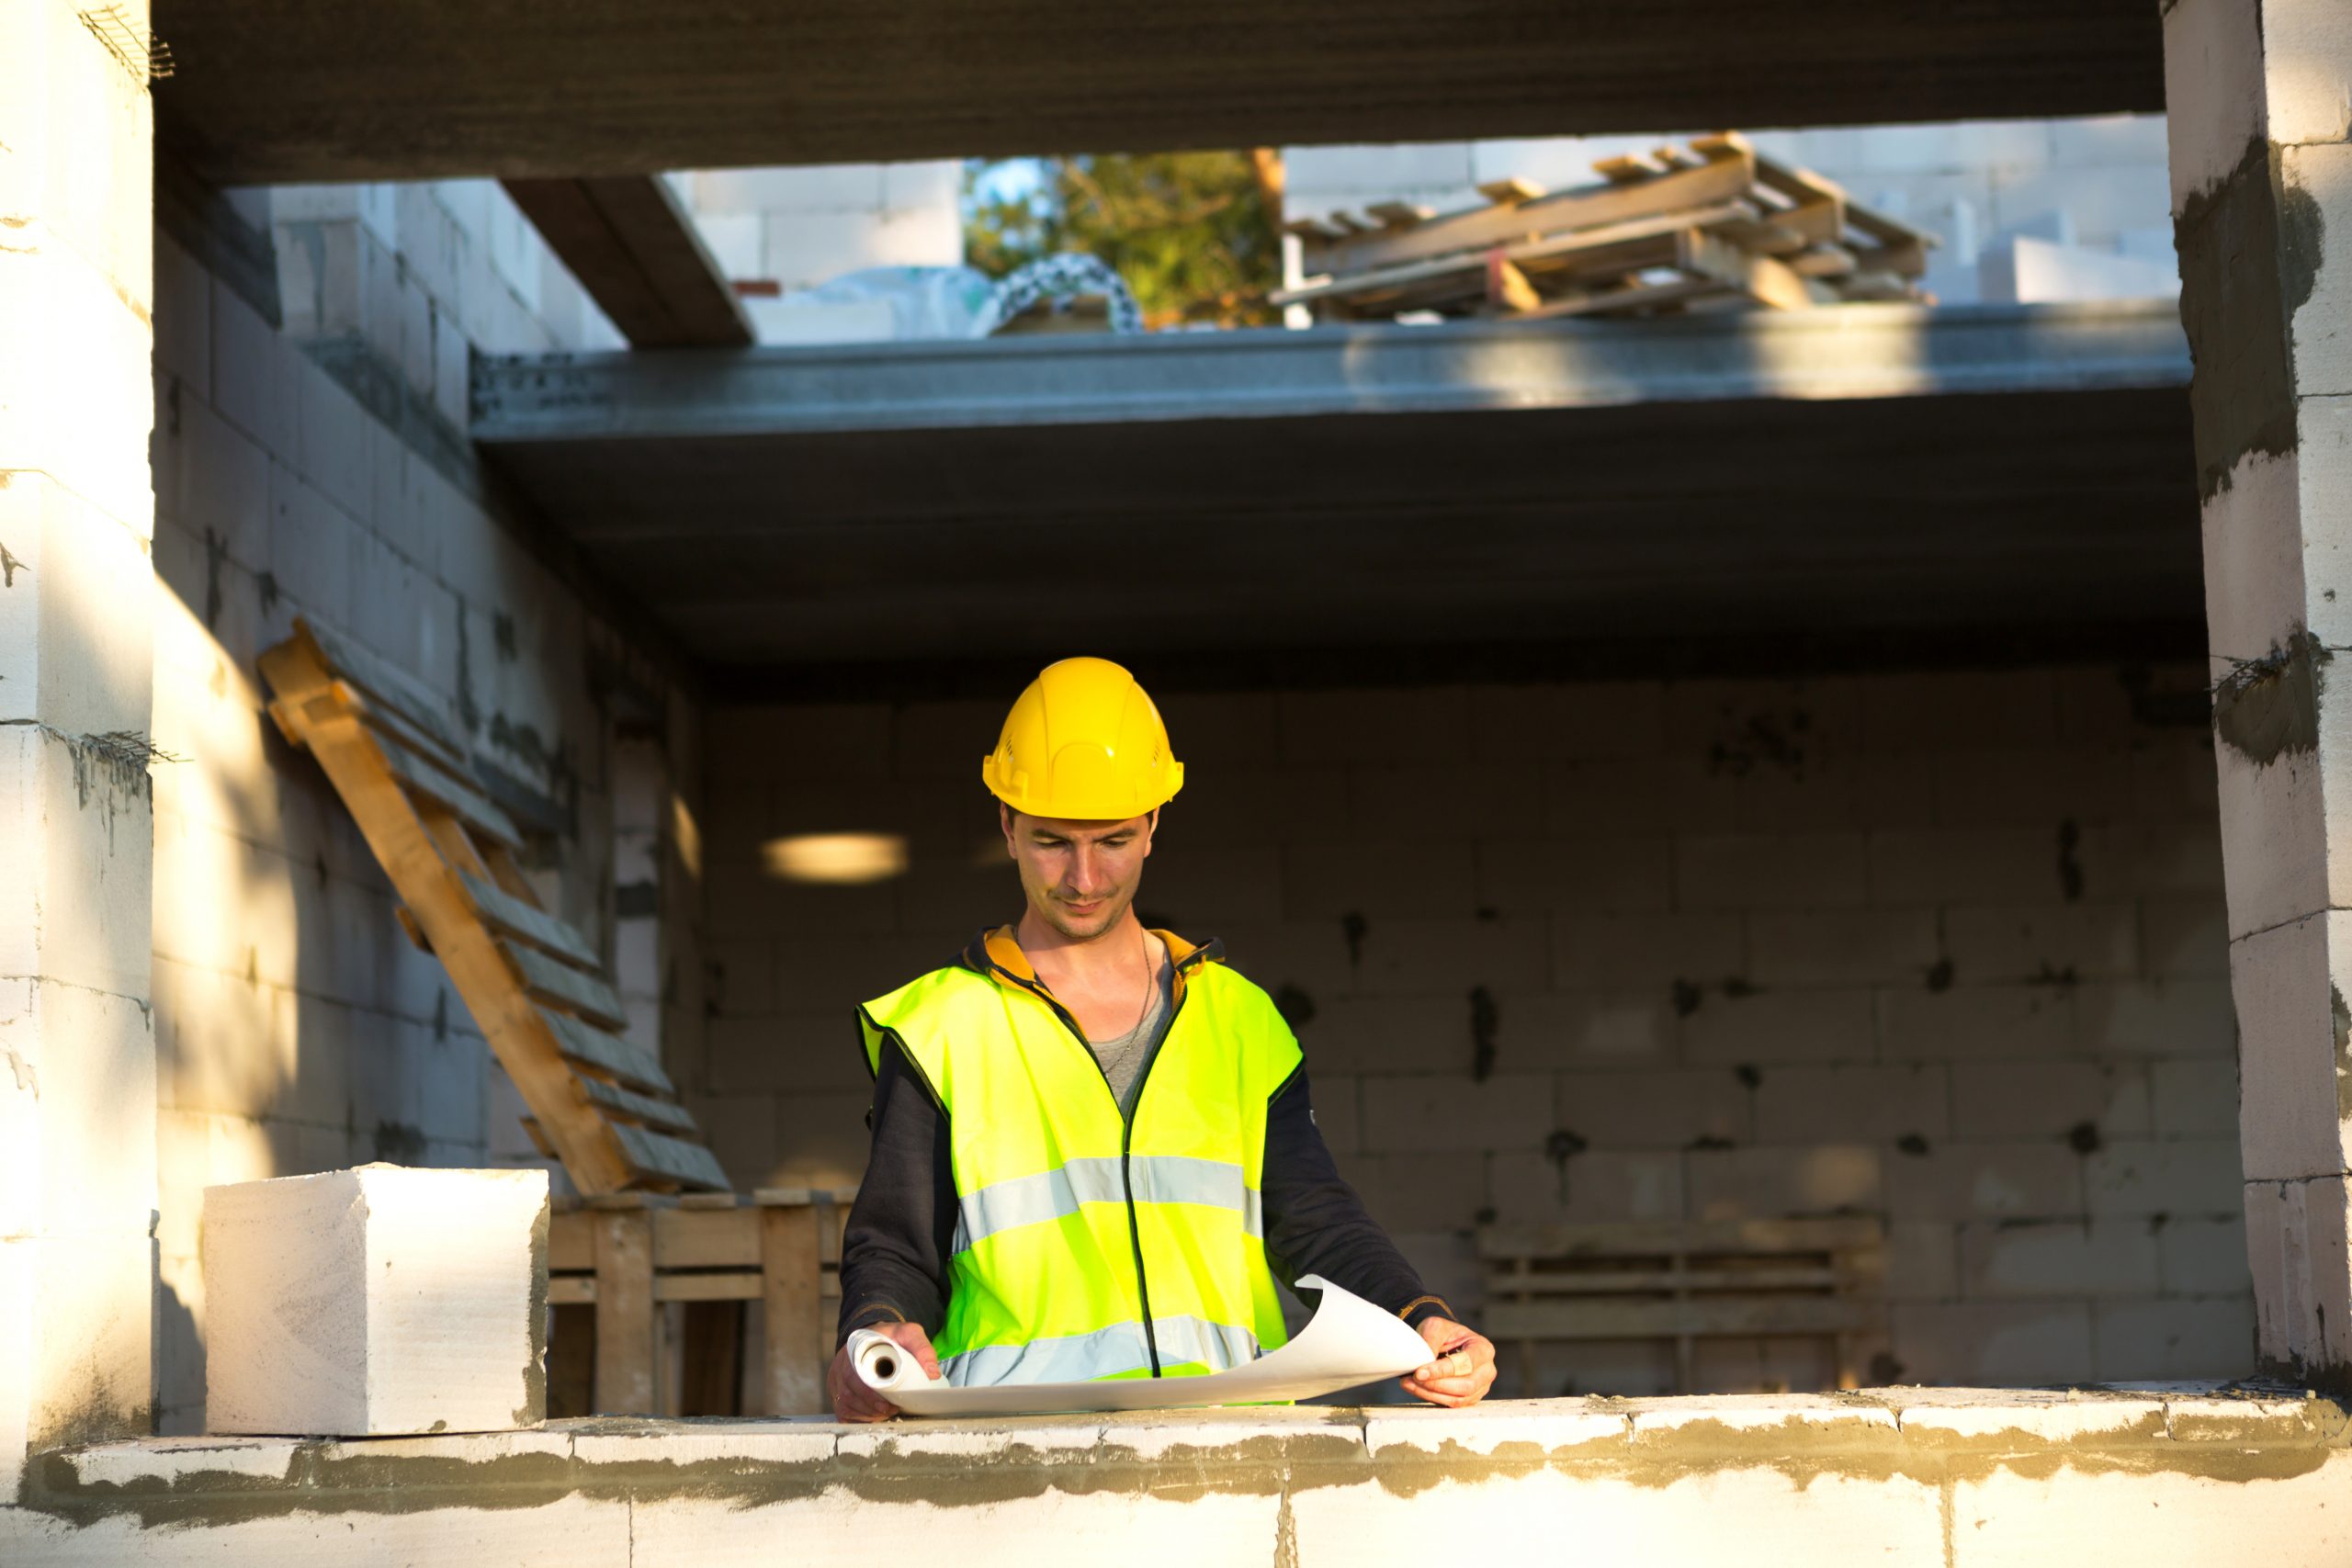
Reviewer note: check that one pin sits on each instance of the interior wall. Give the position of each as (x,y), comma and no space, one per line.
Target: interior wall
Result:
(1945,948)
(306,471)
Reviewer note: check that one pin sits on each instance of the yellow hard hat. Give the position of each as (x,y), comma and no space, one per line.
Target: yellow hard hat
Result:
(1084,741)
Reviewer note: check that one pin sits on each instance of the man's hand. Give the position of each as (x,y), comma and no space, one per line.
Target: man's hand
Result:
(853,1401)
(1459,1374)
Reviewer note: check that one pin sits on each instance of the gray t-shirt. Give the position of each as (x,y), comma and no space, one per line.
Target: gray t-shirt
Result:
(1124,1059)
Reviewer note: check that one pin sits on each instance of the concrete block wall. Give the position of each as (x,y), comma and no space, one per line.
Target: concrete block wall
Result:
(792,229)
(77,1050)
(306,471)
(2097,184)
(418,274)
(1946,948)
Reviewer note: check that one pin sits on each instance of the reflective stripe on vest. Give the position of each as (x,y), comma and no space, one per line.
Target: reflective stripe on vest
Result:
(1085,1242)
(1118,1351)
(1053,1194)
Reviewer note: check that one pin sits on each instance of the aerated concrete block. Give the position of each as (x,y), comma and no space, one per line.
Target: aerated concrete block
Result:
(377,1302)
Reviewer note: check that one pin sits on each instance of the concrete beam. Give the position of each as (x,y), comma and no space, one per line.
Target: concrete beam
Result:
(634,248)
(1880,471)
(1853,352)
(271,90)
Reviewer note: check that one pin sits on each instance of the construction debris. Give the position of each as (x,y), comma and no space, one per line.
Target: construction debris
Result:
(1678,231)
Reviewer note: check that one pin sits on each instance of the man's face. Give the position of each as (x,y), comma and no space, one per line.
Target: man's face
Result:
(1080,876)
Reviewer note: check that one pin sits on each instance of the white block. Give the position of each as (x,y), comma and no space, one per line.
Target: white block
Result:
(378,1301)
(2286,984)
(816,187)
(2212,91)
(2318,183)
(2307,69)
(2042,272)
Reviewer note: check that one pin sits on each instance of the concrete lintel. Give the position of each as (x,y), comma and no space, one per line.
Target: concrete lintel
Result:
(634,249)
(1850,352)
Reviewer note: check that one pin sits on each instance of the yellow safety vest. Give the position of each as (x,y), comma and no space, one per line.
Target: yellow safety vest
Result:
(1087,1248)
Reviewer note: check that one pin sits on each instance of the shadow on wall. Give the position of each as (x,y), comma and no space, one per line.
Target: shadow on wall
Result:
(1945,948)
(296,1029)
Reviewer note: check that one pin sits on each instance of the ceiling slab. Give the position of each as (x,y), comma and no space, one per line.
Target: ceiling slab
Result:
(270,91)
(1735,480)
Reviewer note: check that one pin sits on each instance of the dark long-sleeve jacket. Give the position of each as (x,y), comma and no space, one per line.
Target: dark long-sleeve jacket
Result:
(901,1229)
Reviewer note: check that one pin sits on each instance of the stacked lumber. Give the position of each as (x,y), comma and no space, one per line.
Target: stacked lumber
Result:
(1716,225)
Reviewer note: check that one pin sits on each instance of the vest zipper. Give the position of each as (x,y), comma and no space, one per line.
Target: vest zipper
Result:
(1126,1139)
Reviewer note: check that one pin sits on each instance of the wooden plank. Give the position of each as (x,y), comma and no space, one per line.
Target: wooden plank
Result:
(709,1201)
(797,1351)
(398,834)
(585,996)
(1627,168)
(387,683)
(1823,261)
(607,1053)
(1764,279)
(1400,214)
(665,1158)
(625,1315)
(743,1285)
(408,928)
(579,1289)
(539,1141)
(1633,296)
(1799,184)
(1898,260)
(1313,229)
(390,721)
(518,917)
(1725,179)
(469,806)
(661,1114)
(707,1238)
(1595,245)
(571,1242)
(1507,287)
(1510,189)
(1634,1281)
(1789,231)
(1693,1238)
(1655,1319)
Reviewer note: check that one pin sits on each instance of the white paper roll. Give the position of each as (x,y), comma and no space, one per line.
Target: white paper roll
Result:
(886,1365)
(1349,1342)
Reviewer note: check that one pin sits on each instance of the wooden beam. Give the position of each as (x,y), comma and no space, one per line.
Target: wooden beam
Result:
(634,249)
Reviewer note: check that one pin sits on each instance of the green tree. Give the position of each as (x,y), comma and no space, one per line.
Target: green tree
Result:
(1194,233)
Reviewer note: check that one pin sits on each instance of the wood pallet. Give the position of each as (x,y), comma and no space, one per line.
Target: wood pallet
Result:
(1687,1280)
(650,1296)
(1717,226)
(536,987)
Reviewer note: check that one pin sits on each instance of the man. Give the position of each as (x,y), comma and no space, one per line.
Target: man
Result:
(1094,1151)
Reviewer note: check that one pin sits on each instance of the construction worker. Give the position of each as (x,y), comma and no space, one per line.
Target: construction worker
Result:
(1093,1151)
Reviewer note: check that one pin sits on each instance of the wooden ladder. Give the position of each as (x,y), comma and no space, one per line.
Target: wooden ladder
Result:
(535,986)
